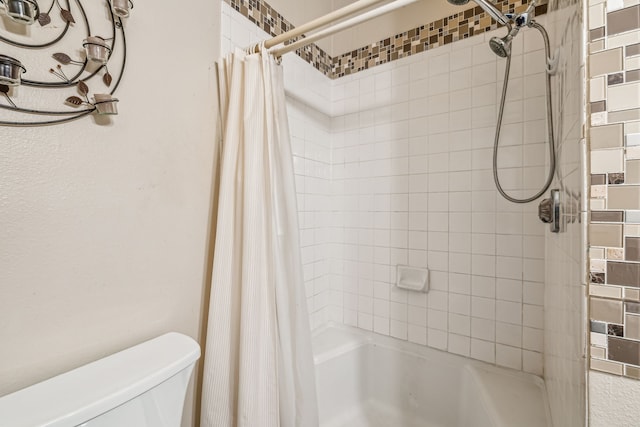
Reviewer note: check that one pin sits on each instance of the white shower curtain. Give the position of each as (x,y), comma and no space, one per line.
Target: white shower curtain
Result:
(258,368)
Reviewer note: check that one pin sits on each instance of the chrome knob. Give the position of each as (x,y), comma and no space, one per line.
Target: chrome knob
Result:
(549,211)
(545,211)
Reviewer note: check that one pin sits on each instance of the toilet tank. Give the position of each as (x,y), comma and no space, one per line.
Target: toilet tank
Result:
(142,386)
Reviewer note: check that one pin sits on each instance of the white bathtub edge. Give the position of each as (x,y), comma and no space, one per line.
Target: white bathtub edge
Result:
(500,409)
(333,340)
(486,381)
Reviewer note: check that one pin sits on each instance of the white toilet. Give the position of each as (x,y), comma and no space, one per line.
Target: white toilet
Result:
(143,386)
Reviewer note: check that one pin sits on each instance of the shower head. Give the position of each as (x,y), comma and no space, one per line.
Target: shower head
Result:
(487,6)
(501,47)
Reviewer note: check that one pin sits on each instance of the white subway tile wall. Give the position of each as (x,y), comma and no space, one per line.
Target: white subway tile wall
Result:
(412,184)
(401,174)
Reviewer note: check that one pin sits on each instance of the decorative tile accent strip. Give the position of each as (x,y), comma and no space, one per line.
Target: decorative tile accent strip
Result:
(614,232)
(270,21)
(447,30)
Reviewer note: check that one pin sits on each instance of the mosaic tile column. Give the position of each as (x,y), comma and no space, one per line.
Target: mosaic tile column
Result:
(614,228)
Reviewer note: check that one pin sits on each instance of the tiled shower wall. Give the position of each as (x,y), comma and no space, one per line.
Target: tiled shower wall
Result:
(614,93)
(565,293)
(413,185)
(409,182)
(614,229)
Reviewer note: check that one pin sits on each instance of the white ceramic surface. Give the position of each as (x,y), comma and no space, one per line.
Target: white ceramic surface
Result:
(369,380)
(143,386)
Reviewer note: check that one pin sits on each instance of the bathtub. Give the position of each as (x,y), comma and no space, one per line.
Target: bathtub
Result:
(369,380)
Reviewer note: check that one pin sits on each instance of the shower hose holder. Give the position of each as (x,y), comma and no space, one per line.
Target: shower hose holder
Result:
(525,19)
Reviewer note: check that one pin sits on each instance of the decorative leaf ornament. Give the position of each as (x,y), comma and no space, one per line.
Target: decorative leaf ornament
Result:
(107,79)
(74,100)
(62,58)
(83,88)
(44,19)
(67,16)
(75,73)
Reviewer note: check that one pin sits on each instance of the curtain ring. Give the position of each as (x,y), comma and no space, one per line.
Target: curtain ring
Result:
(263,48)
(254,48)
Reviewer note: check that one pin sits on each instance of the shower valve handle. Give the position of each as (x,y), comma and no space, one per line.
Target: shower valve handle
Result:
(549,211)
(544,211)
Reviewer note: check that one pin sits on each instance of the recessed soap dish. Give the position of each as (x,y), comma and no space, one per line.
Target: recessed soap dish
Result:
(412,278)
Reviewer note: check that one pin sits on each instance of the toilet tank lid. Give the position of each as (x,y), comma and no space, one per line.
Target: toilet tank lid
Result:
(79,395)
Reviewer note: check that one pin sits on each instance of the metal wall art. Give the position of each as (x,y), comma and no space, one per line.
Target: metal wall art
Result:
(69,85)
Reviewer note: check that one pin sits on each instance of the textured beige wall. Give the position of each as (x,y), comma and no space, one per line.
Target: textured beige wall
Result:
(103,229)
(406,18)
(298,12)
(613,400)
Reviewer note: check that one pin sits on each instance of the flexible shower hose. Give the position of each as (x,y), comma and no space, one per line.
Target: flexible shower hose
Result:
(552,143)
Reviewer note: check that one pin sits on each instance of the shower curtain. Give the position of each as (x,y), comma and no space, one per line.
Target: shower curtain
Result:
(258,368)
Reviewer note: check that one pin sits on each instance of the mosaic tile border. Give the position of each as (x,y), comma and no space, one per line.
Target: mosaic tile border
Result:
(614,219)
(270,21)
(447,30)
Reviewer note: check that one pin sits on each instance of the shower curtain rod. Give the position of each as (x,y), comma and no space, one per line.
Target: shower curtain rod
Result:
(323,21)
(277,52)
(328,19)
